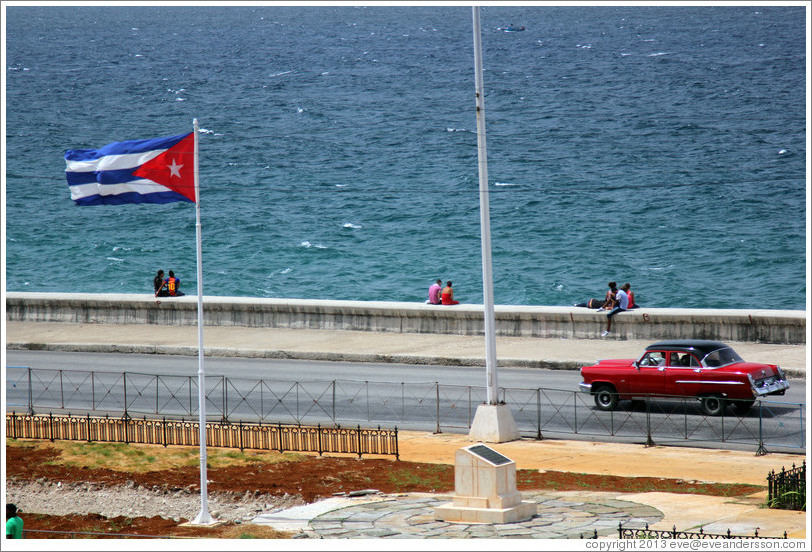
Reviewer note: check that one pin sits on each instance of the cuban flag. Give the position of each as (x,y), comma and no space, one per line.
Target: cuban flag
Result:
(159,170)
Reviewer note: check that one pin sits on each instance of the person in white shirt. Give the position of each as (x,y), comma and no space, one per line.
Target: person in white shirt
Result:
(622,304)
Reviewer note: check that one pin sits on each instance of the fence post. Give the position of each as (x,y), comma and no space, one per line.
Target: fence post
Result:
(225,400)
(437,395)
(575,412)
(334,401)
(359,440)
(318,428)
(93,389)
(125,393)
(163,431)
(30,394)
(538,414)
(13,425)
(241,447)
(88,427)
(61,391)
(157,389)
(761,450)
(649,440)
(51,426)
(369,416)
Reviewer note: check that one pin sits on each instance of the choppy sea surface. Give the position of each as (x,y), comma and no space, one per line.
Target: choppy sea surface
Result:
(663,146)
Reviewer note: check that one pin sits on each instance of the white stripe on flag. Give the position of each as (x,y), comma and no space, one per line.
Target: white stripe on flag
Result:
(142,186)
(113,162)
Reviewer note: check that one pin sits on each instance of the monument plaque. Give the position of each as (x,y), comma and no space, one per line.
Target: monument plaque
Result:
(489,454)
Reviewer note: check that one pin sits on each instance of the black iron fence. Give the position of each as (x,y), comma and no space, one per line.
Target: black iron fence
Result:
(787,488)
(240,435)
(425,406)
(646,533)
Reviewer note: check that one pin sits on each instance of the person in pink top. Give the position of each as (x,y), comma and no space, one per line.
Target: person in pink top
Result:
(434,292)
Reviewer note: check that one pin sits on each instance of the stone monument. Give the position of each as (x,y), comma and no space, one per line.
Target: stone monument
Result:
(485,489)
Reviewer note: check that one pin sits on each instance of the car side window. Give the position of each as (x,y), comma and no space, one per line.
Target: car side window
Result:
(689,360)
(653,358)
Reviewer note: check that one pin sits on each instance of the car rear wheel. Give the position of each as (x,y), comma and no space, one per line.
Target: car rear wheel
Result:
(712,405)
(606,398)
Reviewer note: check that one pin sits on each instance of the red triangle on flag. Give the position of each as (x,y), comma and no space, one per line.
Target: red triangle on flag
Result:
(174,168)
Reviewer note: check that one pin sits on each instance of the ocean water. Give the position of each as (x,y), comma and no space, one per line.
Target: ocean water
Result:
(663,146)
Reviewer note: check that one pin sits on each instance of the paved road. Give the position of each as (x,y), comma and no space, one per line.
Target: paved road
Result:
(415,397)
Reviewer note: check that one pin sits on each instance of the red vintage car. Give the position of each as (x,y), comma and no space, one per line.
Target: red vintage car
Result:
(710,371)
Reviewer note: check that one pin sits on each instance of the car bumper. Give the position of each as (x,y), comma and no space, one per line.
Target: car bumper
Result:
(774,388)
(585,387)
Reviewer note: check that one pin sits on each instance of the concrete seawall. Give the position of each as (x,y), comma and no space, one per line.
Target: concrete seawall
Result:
(739,325)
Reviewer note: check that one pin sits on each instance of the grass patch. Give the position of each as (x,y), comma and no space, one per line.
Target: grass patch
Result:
(434,476)
(147,458)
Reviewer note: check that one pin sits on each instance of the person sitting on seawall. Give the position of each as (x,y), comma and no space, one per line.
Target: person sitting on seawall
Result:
(14,523)
(173,285)
(627,287)
(601,304)
(448,295)
(160,285)
(622,305)
(434,292)
(610,301)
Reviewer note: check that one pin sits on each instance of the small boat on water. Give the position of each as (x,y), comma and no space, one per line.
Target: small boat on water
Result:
(511,29)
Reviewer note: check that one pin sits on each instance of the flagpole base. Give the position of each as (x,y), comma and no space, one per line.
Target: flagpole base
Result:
(493,423)
(203,518)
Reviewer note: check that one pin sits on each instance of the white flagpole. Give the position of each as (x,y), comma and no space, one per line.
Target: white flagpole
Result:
(485,220)
(203,518)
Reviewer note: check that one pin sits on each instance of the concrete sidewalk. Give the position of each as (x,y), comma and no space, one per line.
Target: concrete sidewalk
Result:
(345,345)
(686,512)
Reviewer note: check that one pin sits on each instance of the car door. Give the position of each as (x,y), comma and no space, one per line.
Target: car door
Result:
(683,375)
(649,376)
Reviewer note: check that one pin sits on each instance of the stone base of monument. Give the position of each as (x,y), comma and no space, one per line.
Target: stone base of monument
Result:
(493,423)
(485,489)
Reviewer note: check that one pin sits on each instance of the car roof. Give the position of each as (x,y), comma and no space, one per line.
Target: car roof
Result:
(701,346)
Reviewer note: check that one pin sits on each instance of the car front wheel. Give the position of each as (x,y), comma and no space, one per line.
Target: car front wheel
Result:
(713,405)
(606,398)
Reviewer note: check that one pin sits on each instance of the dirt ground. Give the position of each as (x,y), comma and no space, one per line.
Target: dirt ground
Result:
(311,478)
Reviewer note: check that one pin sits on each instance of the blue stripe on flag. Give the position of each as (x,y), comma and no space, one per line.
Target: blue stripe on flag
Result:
(131,197)
(120,148)
(102,177)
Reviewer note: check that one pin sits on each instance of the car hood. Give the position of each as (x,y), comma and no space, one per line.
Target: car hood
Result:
(614,363)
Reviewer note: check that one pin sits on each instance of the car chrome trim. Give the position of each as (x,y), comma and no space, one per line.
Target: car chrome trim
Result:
(711,382)
(585,387)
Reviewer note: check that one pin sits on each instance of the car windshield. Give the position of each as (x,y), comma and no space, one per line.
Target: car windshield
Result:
(721,357)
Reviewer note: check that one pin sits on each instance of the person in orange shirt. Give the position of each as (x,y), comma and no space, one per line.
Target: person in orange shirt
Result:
(448,295)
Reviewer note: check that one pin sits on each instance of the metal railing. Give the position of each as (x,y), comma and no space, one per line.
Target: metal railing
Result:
(257,436)
(630,533)
(428,406)
(787,488)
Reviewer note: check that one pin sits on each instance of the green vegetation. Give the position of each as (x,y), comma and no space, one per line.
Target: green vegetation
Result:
(145,458)
(428,477)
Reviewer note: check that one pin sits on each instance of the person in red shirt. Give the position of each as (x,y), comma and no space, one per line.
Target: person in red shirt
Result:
(448,295)
(627,287)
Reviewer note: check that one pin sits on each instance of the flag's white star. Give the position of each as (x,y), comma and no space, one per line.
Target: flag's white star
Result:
(174,168)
